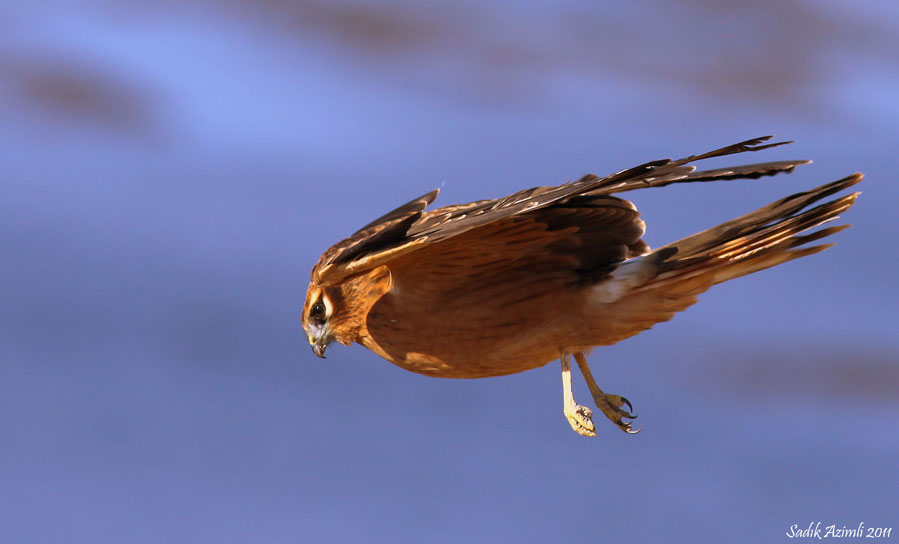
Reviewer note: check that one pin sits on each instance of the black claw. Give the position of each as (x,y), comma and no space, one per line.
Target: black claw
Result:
(629,406)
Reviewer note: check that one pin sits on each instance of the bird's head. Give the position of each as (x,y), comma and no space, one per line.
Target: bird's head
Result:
(317,314)
(338,312)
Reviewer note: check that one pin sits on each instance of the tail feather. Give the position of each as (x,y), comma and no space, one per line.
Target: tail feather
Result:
(742,257)
(763,228)
(773,236)
(654,287)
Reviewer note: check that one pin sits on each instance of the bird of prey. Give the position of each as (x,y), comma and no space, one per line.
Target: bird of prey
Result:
(501,286)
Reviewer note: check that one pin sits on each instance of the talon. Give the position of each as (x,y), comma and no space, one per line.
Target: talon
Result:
(626,426)
(610,405)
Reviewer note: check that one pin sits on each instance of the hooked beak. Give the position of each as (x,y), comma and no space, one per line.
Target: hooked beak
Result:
(319,345)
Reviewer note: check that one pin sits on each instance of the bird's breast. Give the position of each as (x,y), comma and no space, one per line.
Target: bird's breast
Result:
(458,341)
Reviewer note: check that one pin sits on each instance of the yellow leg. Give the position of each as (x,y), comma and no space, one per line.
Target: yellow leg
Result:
(579,417)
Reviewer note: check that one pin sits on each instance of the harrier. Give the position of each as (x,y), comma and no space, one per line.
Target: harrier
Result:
(501,286)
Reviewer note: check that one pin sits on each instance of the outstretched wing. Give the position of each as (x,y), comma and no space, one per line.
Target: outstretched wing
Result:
(575,242)
(409,229)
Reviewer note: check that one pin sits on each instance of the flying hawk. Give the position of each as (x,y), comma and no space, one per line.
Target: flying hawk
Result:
(501,286)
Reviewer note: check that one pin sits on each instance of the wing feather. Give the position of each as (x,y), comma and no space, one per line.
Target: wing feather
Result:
(409,229)
(570,244)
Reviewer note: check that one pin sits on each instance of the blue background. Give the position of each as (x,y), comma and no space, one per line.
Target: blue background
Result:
(172,170)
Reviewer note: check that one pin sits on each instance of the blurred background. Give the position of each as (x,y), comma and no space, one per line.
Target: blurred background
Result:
(172,170)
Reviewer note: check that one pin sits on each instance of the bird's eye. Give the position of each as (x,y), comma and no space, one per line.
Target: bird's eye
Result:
(318,310)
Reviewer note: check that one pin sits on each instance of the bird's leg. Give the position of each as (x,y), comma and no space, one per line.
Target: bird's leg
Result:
(611,405)
(579,417)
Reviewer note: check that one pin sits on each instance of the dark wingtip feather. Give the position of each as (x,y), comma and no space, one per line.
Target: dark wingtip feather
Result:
(747,171)
(755,144)
(430,197)
(414,206)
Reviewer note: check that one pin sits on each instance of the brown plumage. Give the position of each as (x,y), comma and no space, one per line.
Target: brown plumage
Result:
(502,286)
